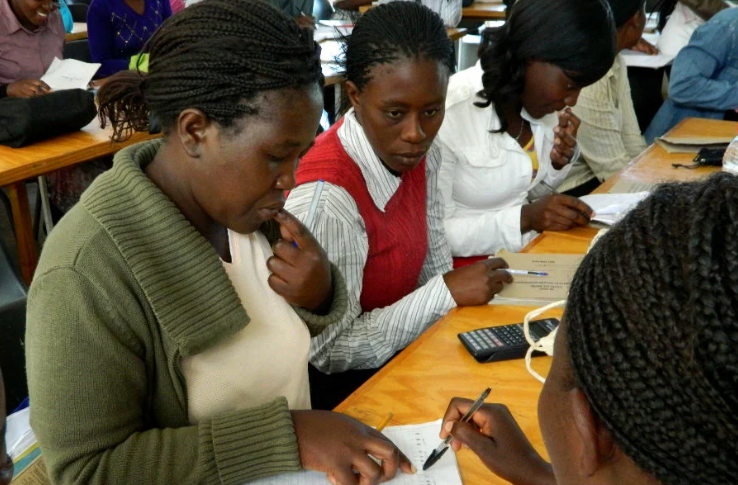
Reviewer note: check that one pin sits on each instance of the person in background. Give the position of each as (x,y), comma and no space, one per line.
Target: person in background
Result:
(6,464)
(177,5)
(704,76)
(679,19)
(448,10)
(608,136)
(379,216)
(300,10)
(118,29)
(66,16)
(170,316)
(508,136)
(643,386)
(31,35)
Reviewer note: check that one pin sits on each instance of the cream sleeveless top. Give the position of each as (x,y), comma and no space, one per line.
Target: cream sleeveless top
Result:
(266,359)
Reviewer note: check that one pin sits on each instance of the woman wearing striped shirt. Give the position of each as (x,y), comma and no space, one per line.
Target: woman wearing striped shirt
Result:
(380,216)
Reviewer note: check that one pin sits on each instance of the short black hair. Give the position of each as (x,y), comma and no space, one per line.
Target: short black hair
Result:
(394,31)
(623,10)
(652,332)
(576,35)
(216,56)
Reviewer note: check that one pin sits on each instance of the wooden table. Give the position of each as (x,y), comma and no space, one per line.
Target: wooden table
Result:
(79,31)
(484,11)
(654,164)
(417,385)
(19,164)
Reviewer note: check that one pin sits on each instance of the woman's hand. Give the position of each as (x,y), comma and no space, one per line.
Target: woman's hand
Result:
(27,88)
(556,212)
(646,47)
(477,283)
(495,436)
(565,139)
(343,448)
(301,273)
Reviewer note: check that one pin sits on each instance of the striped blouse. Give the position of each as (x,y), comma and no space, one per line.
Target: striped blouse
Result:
(368,340)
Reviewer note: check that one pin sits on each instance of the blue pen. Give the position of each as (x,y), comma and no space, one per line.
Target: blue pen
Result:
(313,207)
(526,272)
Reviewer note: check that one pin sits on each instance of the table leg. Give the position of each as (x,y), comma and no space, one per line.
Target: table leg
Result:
(23,222)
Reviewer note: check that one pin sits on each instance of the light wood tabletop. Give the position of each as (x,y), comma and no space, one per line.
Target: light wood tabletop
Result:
(654,164)
(484,11)
(19,164)
(79,31)
(417,385)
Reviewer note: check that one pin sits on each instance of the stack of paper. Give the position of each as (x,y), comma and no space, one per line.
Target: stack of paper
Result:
(538,290)
(29,468)
(610,208)
(69,74)
(626,186)
(416,441)
(692,144)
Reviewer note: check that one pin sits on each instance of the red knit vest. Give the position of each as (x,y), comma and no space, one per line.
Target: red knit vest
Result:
(398,237)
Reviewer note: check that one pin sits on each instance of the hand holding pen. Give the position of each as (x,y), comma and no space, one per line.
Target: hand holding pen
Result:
(494,435)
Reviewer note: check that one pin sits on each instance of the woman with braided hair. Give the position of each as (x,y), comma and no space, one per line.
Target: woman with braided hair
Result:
(644,383)
(160,349)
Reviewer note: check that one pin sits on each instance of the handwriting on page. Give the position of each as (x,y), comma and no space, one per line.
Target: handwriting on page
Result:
(416,441)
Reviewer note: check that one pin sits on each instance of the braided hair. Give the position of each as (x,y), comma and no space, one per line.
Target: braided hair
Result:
(215,56)
(577,36)
(653,331)
(394,31)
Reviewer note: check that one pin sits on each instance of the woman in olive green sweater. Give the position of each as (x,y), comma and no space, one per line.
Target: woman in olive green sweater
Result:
(138,333)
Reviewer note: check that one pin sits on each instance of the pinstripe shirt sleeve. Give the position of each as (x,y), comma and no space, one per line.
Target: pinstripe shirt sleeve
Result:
(368,340)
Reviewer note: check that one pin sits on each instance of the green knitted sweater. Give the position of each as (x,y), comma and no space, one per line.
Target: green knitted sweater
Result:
(124,289)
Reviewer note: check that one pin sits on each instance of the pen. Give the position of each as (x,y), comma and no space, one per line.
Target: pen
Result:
(384,422)
(545,184)
(438,452)
(525,272)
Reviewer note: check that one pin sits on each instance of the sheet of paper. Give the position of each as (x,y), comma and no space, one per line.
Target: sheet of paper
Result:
(624,186)
(691,144)
(641,59)
(337,31)
(69,74)
(534,290)
(331,51)
(610,208)
(416,441)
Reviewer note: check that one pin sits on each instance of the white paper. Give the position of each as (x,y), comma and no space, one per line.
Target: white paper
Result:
(331,51)
(641,59)
(328,32)
(18,435)
(69,74)
(610,208)
(415,440)
(624,186)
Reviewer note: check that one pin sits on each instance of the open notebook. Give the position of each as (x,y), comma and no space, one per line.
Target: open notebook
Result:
(415,440)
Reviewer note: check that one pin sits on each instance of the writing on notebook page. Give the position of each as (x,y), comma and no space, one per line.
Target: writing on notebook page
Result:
(415,440)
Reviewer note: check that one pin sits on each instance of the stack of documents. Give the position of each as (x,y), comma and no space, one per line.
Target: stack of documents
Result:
(24,451)
(692,144)
(538,290)
(417,441)
(610,208)
(69,74)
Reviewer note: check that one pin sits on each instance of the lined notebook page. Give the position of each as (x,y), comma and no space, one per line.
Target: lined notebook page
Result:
(415,440)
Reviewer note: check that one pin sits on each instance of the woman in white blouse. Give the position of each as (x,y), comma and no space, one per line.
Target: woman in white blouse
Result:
(508,136)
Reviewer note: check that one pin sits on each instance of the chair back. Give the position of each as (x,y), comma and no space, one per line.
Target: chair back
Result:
(78,49)
(13,295)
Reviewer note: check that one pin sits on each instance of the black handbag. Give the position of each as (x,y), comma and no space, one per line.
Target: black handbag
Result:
(27,120)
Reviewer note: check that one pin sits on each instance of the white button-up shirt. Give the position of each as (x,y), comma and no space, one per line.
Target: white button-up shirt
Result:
(487,177)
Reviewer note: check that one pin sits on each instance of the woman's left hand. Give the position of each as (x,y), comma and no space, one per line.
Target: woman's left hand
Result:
(565,139)
(301,273)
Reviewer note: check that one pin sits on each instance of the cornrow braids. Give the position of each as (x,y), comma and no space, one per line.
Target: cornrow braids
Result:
(215,56)
(653,331)
(577,36)
(394,31)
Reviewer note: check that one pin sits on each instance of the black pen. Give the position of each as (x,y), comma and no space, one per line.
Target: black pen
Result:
(438,452)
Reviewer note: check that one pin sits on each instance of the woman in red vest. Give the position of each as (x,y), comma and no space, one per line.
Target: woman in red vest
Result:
(379,215)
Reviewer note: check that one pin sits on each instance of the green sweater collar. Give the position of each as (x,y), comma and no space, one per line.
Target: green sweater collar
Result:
(178,270)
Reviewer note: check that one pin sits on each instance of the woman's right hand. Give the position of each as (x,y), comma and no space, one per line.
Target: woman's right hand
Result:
(343,448)
(495,436)
(555,212)
(27,88)
(477,283)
